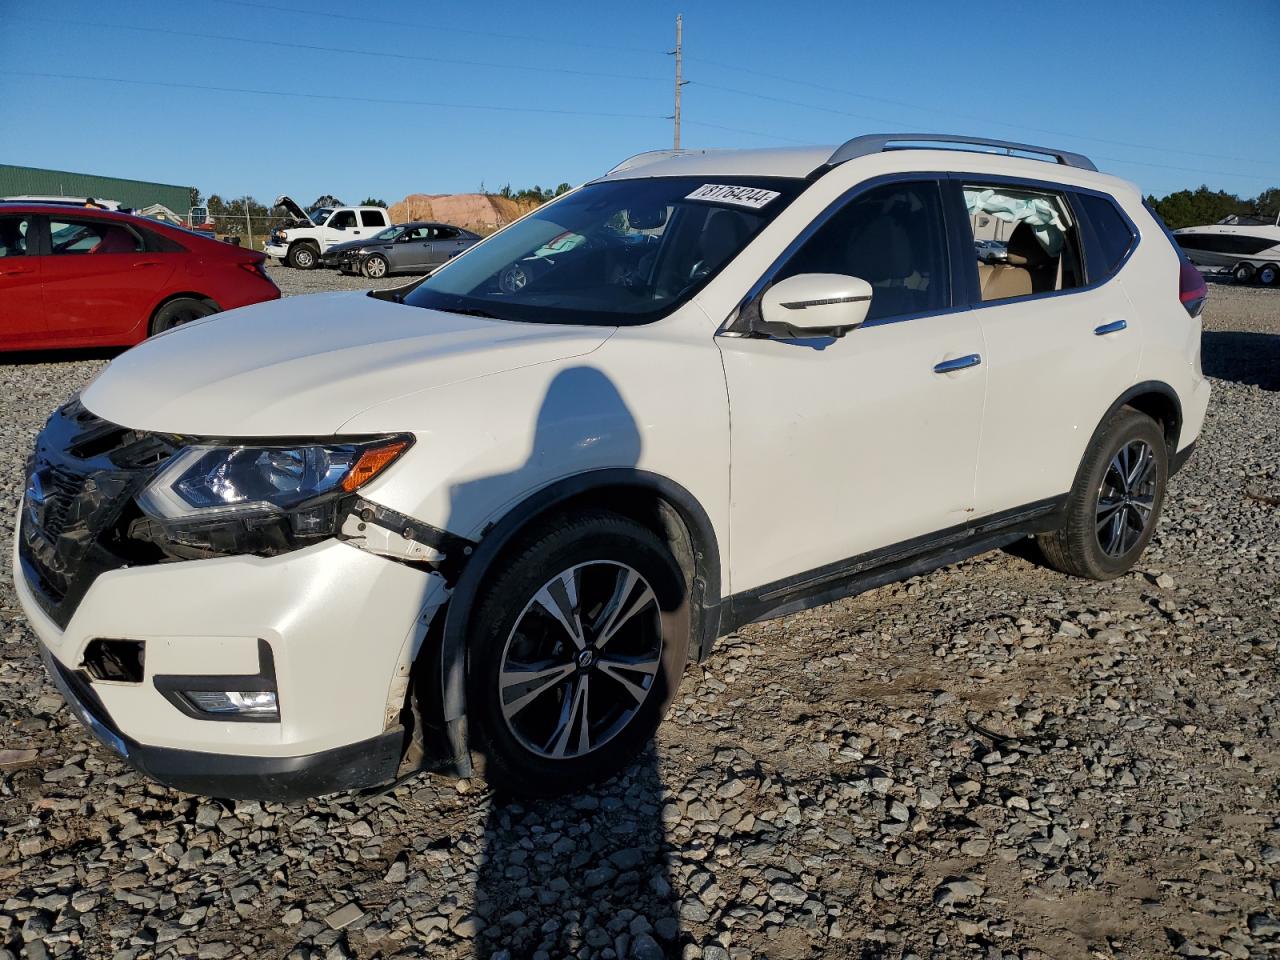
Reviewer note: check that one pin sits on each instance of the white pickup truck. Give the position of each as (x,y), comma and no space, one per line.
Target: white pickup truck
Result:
(300,241)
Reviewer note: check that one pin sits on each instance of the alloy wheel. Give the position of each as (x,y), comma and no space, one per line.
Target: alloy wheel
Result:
(1126,498)
(375,267)
(582,659)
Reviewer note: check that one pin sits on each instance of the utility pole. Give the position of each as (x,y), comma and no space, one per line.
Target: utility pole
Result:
(679,55)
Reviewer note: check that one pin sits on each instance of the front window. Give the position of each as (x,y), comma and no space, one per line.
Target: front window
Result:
(620,252)
(342,220)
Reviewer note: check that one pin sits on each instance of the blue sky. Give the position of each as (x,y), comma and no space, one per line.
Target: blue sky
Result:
(538,93)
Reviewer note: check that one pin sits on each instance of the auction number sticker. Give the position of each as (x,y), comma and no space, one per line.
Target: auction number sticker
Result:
(753,197)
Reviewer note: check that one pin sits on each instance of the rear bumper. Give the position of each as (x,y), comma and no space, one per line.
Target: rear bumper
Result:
(372,762)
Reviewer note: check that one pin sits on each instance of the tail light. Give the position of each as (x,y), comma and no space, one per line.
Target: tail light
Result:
(1192,290)
(258,267)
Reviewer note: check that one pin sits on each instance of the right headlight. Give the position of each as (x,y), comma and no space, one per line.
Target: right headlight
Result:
(260,498)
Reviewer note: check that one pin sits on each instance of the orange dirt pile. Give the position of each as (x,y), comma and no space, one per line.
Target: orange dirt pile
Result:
(480,212)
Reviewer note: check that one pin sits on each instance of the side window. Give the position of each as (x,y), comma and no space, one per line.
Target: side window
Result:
(1115,236)
(446,233)
(1026,241)
(373,218)
(73,237)
(893,237)
(13,236)
(342,219)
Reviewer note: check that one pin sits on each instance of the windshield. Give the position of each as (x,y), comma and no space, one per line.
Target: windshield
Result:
(621,252)
(320,215)
(388,234)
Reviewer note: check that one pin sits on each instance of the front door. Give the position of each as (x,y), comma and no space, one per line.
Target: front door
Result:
(22,318)
(841,447)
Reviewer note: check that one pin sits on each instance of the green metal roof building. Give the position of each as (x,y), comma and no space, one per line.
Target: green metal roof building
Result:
(136,194)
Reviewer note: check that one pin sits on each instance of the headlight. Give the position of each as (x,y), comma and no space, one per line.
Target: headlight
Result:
(283,235)
(258,499)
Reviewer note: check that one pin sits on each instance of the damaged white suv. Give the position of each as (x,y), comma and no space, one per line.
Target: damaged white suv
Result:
(484,521)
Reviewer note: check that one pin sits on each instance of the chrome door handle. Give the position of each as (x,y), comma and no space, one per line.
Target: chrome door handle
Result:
(959,363)
(1115,326)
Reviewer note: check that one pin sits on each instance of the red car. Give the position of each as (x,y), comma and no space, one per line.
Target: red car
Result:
(79,277)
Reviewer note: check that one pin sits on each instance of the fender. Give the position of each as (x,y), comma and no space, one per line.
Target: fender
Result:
(704,599)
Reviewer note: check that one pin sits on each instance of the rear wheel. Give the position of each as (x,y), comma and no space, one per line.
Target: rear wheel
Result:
(578,647)
(177,312)
(302,256)
(375,267)
(1115,501)
(1268,275)
(1243,272)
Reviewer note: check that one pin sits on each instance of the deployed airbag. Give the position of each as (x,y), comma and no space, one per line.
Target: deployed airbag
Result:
(1038,212)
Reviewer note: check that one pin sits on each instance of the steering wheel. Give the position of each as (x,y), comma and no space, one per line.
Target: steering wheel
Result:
(513,279)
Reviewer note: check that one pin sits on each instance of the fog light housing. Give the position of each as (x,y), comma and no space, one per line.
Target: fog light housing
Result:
(260,704)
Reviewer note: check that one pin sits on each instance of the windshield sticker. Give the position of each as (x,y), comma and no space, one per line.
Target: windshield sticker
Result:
(752,197)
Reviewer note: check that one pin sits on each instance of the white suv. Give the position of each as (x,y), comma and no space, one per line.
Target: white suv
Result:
(490,517)
(301,240)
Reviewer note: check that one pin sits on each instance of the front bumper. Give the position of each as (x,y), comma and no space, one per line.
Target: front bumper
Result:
(369,763)
(277,250)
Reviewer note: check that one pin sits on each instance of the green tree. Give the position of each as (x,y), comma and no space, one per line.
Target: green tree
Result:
(372,202)
(325,200)
(563,188)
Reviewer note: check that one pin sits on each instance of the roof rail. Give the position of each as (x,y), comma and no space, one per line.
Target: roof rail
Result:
(879,142)
(649,156)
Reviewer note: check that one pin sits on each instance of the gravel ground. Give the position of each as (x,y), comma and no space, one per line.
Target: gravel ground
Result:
(990,761)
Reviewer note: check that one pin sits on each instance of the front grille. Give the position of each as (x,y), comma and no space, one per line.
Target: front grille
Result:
(81,481)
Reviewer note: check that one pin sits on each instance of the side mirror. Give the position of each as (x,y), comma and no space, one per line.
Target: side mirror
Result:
(817,304)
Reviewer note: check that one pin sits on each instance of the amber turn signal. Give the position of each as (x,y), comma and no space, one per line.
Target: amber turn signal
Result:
(372,462)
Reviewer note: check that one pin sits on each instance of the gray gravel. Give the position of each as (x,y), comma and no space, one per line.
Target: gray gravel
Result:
(989,761)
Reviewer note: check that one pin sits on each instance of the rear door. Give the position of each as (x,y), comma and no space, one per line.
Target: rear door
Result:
(100,281)
(1061,344)
(371,222)
(22,318)
(447,243)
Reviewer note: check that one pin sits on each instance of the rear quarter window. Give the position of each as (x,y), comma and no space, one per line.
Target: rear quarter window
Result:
(373,218)
(1113,236)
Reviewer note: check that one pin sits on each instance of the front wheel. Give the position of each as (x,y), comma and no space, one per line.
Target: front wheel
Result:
(302,256)
(1114,504)
(375,267)
(1243,273)
(578,646)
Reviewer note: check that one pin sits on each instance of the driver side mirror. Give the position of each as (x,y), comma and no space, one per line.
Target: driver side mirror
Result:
(817,304)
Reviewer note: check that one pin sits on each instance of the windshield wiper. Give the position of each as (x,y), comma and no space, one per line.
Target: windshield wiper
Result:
(470,312)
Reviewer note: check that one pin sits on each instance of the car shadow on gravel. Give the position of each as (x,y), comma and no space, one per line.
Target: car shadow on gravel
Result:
(28,357)
(1241,357)
(586,871)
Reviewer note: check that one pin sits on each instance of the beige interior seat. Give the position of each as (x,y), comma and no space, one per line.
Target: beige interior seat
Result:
(1001,281)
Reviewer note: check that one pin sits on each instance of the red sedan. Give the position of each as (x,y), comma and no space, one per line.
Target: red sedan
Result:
(78,277)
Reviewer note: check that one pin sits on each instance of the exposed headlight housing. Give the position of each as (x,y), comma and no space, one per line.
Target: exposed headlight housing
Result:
(261,498)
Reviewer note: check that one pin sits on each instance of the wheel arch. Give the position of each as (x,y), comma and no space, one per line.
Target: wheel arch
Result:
(184,295)
(656,501)
(1157,400)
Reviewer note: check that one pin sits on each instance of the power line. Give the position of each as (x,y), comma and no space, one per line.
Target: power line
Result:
(320,48)
(436,28)
(332,96)
(945,113)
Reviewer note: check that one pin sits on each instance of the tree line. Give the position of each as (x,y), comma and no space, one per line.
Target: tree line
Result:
(1193,208)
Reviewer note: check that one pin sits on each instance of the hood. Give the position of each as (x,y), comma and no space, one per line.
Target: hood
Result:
(355,245)
(293,207)
(305,365)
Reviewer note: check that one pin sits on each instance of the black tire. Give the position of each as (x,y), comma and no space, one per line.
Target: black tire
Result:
(303,256)
(375,266)
(1268,274)
(590,549)
(177,312)
(1080,547)
(1243,272)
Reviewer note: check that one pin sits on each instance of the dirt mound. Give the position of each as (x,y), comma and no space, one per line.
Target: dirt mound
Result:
(480,212)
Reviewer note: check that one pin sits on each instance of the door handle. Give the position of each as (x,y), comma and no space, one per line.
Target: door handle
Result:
(959,363)
(147,263)
(14,272)
(1115,326)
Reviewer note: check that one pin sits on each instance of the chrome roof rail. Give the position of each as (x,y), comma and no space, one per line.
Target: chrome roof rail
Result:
(871,143)
(649,156)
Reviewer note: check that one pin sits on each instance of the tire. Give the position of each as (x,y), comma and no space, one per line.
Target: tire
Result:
(1243,272)
(177,312)
(303,256)
(375,267)
(1102,550)
(526,745)
(1268,275)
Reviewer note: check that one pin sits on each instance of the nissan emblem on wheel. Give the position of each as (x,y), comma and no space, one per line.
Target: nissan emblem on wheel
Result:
(326,542)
